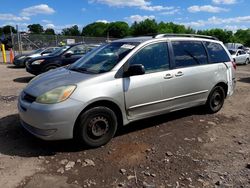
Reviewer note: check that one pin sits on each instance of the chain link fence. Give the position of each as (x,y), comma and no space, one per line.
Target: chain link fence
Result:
(28,42)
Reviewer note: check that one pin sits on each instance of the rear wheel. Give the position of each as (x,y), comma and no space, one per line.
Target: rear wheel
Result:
(97,126)
(215,100)
(246,62)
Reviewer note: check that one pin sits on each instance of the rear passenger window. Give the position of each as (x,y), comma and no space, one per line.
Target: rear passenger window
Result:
(189,53)
(153,57)
(216,52)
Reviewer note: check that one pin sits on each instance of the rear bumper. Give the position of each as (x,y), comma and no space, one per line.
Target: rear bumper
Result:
(19,63)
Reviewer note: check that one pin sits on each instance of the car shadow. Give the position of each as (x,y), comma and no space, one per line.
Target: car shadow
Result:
(14,67)
(15,141)
(245,80)
(25,79)
(158,120)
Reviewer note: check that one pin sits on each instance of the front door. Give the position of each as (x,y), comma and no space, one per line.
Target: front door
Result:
(144,93)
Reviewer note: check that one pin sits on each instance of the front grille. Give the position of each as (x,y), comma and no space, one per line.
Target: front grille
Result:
(29,98)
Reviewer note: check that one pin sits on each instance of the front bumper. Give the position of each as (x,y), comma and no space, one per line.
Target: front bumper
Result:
(50,122)
(35,70)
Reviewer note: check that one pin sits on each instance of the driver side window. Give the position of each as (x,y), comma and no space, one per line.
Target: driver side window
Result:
(153,57)
(79,49)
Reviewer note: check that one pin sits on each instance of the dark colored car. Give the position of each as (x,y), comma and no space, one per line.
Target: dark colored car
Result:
(63,56)
(20,60)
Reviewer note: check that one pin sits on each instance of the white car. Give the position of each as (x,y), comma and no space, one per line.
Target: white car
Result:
(240,56)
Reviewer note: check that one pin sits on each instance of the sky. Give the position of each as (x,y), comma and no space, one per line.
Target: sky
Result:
(58,14)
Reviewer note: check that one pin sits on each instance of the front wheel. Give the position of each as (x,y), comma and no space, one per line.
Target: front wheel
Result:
(215,100)
(50,67)
(97,126)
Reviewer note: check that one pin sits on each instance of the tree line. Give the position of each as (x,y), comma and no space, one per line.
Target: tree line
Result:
(121,29)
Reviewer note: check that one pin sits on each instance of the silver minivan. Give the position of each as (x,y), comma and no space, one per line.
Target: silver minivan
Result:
(124,81)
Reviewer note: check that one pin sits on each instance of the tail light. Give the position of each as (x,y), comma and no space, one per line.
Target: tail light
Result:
(234,65)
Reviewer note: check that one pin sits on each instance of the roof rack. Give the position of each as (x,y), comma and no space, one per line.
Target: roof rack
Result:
(184,35)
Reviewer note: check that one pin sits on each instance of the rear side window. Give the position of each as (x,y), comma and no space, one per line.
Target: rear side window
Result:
(189,53)
(153,57)
(216,52)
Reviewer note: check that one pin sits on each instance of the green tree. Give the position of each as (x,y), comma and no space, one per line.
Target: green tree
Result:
(243,36)
(96,29)
(6,29)
(145,27)
(118,29)
(35,28)
(223,35)
(71,31)
(49,31)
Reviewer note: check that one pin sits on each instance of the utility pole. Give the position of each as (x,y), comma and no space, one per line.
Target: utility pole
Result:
(12,39)
(18,40)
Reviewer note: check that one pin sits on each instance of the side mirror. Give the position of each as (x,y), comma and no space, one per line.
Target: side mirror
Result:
(137,69)
(68,54)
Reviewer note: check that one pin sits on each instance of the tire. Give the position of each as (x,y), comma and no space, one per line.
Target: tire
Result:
(97,126)
(215,100)
(50,67)
(246,62)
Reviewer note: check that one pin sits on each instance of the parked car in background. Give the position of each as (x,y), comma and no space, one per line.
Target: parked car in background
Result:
(124,81)
(63,56)
(20,60)
(240,56)
(247,50)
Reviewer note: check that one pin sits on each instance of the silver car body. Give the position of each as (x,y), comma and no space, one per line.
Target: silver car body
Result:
(135,97)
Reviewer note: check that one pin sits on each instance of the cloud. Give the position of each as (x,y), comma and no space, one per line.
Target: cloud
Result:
(171,12)
(206,8)
(155,8)
(138,18)
(50,25)
(218,21)
(46,21)
(11,17)
(103,21)
(37,9)
(122,3)
(83,9)
(141,4)
(226,2)
(234,28)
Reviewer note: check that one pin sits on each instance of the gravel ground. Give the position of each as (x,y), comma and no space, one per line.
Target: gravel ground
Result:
(181,149)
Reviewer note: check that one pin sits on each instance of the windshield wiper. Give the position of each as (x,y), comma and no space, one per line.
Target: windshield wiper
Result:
(79,69)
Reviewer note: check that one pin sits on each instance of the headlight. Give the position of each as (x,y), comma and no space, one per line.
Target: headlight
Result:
(37,62)
(56,95)
(22,57)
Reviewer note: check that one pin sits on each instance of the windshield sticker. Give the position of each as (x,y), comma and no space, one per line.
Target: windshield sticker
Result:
(127,46)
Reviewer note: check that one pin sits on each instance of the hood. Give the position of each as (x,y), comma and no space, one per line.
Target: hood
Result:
(20,55)
(42,57)
(34,55)
(53,79)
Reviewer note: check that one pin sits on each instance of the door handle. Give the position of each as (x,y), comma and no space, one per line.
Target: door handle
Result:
(178,74)
(168,76)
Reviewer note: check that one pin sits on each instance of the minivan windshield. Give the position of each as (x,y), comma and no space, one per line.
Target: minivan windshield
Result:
(103,58)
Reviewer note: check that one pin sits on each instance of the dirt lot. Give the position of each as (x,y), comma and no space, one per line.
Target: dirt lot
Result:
(184,149)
